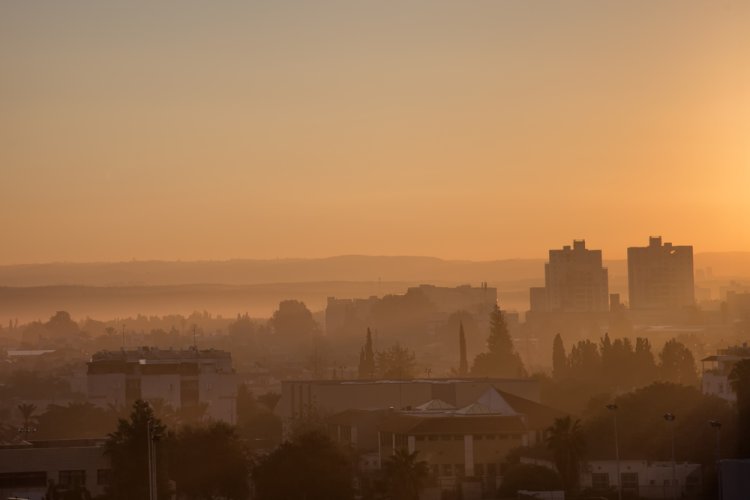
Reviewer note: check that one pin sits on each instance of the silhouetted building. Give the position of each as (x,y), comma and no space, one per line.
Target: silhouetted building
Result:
(660,276)
(32,470)
(420,305)
(574,282)
(301,398)
(183,379)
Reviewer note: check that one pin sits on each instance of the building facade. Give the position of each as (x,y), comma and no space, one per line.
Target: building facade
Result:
(660,276)
(717,368)
(182,379)
(31,470)
(575,281)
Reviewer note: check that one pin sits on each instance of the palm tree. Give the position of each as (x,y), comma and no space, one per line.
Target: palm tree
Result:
(27,411)
(565,439)
(405,475)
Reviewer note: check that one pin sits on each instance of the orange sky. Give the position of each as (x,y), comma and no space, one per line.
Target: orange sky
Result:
(473,130)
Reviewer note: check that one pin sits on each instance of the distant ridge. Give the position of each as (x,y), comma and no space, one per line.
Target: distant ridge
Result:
(351,268)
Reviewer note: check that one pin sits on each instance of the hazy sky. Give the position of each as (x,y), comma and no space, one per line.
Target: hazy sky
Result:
(478,130)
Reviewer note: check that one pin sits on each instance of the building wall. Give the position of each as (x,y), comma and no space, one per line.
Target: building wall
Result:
(52,461)
(574,281)
(660,276)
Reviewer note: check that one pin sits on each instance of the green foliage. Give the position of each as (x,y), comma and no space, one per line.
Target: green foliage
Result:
(677,364)
(529,477)
(396,362)
(293,319)
(255,420)
(309,467)
(501,359)
(566,440)
(740,380)
(127,448)
(645,435)
(367,359)
(463,363)
(559,358)
(404,475)
(208,462)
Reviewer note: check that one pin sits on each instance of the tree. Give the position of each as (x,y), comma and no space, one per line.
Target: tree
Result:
(127,448)
(367,359)
(404,475)
(677,364)
(566,440)
(308,467)
(463,364)
(528,477)
(739,377)
(293,319)
(224,474)
(396,362)
(501,359)
(559,358)
(27,413)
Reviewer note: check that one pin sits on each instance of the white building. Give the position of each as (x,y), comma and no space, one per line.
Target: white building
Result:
(180,378)
(716,370)
(644,479)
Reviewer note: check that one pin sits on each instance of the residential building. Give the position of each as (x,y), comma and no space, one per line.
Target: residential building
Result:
(660,276)
(186,378)
(575,281)
(717,368)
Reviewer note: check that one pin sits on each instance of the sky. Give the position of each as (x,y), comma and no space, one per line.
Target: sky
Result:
(463,130)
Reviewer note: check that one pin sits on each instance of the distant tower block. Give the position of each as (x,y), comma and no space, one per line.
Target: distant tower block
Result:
(660,276)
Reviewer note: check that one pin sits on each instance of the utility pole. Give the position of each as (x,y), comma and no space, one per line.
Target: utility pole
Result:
(613,408)
(669,417)
(716,425)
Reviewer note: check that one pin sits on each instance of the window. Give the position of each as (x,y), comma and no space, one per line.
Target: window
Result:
(68,478)
(458,437)
(435,470)
(489,436)
(629,481)
(599,480)
(402,441)
(447,470)
(491,470)
(419,438)
(479,470)
(103,476)
(445,437)
(459,470)
(434,437)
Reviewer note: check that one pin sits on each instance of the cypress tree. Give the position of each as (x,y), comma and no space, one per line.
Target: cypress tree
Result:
(463,364)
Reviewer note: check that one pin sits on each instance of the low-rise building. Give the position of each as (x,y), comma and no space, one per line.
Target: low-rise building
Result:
(30,470)
(717,368)
(644,479)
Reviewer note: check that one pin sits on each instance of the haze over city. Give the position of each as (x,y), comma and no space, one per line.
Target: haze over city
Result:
(341,250)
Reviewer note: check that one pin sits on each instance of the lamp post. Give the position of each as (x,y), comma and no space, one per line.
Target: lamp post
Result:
(716,425)
(669,417)
(613,408)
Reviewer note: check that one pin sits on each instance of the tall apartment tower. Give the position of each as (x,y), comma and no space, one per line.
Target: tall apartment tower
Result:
(574,281)
(660,276)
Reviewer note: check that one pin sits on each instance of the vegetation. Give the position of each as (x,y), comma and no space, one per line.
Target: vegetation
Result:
(740,379)
(311,466)
(566,440)
(501,359)
(404,475)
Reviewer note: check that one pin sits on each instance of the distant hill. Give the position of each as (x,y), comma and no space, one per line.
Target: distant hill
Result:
(106,290)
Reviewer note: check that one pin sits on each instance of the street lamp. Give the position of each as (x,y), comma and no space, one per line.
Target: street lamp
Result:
(613,408)
(669,417)
(716,425)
